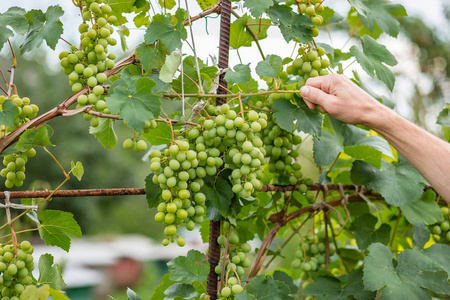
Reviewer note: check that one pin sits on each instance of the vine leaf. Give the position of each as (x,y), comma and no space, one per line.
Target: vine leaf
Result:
(240,36)
(14,17)
(170,66)
(49,273)
(444,117)
(299,30)
(240,74)
(162,29)
(413,211)
(398,183)
(381,13)
(105,133)
(283,277)
(169,4)
(46,27)
(365,153)
(280,14)
(372,60)
(416,270)
(264,287)
(350,135)
(160,135)
(119,7)
(326,148)
(35,138)
(77,169)
(42,292)
(243,296)
(421,236)
(56,225)
(342,288)
(8,111)
(270,67)
(183,290)
(134,102)
(158,293)
(218,192)
(258,7)
(152,191)
(308,121)
(33,292)
(190,268)
(366,234)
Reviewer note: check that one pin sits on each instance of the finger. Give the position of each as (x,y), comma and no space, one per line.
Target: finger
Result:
(322,109)
(327,82)
(310,105)
(315,96)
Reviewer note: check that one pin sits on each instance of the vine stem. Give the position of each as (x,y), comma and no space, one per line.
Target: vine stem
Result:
(141,191)
(19,232)
(167,95)
(395,228)
(214,9)
(224,260)
(327,241)
(13,67)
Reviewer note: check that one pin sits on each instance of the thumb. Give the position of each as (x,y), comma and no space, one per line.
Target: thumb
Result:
(315,95)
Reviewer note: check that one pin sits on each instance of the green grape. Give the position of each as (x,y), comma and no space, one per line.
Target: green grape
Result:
(141,145)
(226,292)
(128,144)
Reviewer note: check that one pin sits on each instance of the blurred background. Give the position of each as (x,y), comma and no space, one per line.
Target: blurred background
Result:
(122,243)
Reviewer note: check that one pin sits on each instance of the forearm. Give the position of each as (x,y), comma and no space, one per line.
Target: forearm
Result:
(426,152)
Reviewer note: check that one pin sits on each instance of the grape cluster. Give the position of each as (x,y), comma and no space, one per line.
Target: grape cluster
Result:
(205,4)
(310,255)
(27,111)
(309,64)
(312,9)
(86,66)
(224,138)
(15,269)
(179,175)
(441,231)
(245,154)
(14,170)
(237,261)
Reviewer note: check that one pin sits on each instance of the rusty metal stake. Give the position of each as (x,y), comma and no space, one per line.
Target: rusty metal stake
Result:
(214,228)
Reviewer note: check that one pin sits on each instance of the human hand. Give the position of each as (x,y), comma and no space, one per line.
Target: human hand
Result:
(338,96)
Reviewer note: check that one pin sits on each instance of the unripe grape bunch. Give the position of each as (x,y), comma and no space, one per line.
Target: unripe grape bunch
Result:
(237,261)
(16,265)
(86,66)
(311,255)
(14,170)
(441,230)
(311,8)
(224,140)
(14,164)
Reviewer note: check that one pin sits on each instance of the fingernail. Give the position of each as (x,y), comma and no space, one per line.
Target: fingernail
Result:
(304,91)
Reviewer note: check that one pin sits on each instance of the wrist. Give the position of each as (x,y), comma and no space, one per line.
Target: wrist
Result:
(380,118)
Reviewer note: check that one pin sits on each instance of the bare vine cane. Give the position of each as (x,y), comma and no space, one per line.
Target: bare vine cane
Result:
(344,201)
(214,228)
